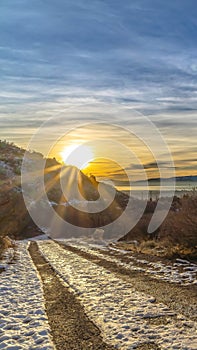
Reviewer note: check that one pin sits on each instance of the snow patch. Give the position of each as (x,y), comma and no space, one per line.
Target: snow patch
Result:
(23,320)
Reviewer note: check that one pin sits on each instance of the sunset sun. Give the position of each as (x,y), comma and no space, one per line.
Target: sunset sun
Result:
(77,155)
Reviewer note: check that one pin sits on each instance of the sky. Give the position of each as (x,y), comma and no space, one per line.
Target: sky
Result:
(139,54)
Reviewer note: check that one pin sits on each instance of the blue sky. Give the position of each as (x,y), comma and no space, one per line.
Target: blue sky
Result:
(139,53)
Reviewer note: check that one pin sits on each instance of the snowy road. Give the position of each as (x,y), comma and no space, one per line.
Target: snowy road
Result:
(23,321)
(126,317)
(180,272)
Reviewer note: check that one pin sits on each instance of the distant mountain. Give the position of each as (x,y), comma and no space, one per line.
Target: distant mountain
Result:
(177,178)
(187,178)
(190,178)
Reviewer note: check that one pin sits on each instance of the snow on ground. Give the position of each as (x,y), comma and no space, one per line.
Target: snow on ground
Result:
(125,316)
(41,237)
(182,271)
(23,321)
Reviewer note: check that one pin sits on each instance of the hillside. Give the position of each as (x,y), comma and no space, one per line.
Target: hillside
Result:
(13,213)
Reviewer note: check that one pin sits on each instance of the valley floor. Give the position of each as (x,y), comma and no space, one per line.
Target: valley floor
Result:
(74,295)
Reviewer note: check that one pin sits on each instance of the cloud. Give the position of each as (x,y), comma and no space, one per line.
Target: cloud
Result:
(138,54)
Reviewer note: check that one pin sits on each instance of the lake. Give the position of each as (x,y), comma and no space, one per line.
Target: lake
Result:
(139,189)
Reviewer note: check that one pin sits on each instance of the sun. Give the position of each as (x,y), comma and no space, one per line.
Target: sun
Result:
(77,155)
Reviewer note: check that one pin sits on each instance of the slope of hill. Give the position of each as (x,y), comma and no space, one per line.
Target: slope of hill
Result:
(13,213)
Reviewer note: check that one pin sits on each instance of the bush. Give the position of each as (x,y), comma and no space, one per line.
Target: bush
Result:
(148,244)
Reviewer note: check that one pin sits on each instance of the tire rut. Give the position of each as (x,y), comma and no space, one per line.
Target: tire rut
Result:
(71,328)
(181,299)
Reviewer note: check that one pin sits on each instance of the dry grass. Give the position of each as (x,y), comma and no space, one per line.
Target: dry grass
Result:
(5,243)
(160,249)
(176,237)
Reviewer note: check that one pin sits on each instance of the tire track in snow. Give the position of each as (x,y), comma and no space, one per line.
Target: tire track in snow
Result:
(122,314)
(180,298)
(70,327)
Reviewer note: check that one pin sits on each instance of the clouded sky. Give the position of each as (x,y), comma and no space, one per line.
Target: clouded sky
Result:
(140,54)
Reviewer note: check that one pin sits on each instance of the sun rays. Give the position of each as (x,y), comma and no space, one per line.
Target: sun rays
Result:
(77,155)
